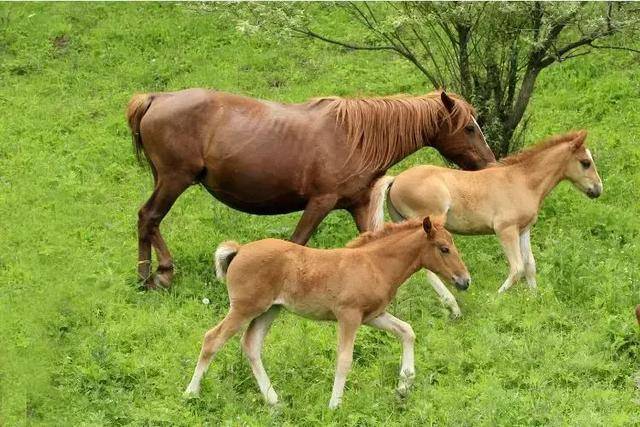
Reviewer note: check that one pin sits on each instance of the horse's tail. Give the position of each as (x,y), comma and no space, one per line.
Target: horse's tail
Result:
(376,202)
(225,252)
(138,106)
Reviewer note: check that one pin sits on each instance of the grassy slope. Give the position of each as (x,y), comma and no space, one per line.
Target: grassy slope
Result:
(86,346)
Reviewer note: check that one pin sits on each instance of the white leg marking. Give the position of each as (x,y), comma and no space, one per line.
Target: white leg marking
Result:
(445,295)
(527,258)
(193,389)
(346,338)
(405,333)
(252,346)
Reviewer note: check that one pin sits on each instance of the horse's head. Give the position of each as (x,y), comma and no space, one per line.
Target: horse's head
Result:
(460,138)
(441,255)
(580,169)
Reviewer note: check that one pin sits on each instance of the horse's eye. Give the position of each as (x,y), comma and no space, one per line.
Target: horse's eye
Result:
(585,163)
(470,128)
(444,250)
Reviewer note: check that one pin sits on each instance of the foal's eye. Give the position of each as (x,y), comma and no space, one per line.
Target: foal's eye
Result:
(585,163)
(444,250)
(470,128)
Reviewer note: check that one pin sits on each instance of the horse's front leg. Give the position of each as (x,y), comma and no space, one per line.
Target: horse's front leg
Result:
(405,334)
(445,295)
(316,210)
(527,258)
(348,324)
(509,238)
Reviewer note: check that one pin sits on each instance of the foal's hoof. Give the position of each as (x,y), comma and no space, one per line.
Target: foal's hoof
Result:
(190,394)
(334,403)
(456,314)
(271,398)
(403,390)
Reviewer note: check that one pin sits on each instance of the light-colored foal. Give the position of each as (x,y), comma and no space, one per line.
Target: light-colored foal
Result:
(502,200)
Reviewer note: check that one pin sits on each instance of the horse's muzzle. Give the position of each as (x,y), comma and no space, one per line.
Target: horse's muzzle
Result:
(462,283)
(595,191)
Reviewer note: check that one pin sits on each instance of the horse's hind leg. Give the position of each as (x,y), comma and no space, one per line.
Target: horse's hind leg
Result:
(167,190)
(252,345)
(214,339)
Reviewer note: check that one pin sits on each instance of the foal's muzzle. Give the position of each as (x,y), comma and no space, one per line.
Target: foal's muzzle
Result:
(462,283)
(595,191)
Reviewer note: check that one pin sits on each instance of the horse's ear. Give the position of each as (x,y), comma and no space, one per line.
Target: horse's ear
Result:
(578,141)
(447,101)
(427,226)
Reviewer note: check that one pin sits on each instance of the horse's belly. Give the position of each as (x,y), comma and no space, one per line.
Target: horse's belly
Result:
(254,193)
(467,224)
(258,202)
(307,309)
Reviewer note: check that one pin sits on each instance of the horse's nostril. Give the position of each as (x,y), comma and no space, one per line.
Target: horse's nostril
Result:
(594,192)
(462,283)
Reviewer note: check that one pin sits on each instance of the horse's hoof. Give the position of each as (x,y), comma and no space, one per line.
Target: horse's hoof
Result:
(149,284)
(271,398)
(162,281)
(456,314)
(403,390)
(190,395)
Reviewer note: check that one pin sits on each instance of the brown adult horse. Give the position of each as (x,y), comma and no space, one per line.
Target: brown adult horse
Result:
(263,157)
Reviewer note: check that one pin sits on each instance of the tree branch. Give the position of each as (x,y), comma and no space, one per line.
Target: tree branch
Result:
(629,49)
(307,32)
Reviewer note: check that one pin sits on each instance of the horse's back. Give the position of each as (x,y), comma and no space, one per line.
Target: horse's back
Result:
(420,191)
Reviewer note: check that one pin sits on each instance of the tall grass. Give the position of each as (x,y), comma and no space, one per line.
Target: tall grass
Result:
(80,344)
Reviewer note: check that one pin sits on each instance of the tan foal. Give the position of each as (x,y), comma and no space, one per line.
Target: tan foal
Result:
(504,199)
(352,285)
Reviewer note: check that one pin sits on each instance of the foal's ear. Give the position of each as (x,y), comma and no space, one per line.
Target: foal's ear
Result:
(578,141)
(447,101)
(427,226)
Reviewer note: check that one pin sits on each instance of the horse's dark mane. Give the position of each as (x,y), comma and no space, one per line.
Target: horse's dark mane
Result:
(527,154)
(386,128)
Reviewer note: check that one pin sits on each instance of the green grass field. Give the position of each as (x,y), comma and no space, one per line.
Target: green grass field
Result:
(80,344)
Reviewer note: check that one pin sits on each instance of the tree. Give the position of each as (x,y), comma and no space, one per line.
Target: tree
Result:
(491,53)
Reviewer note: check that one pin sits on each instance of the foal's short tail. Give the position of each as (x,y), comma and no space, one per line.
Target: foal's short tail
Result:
(225,252)
(377,200)
(138,106)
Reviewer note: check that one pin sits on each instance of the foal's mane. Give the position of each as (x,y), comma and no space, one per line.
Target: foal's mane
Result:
(388,229)
(526,155)
(386,127)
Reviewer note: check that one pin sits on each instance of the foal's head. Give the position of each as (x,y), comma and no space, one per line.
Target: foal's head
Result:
(441,255)
(460,139)
(580,168)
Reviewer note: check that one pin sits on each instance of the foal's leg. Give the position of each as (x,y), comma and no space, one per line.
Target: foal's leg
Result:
(252,346)
(316,210)
(509,238)
(347,327)
(214,339)
(405,333)
(149,217)
(527,258)
(445,294)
